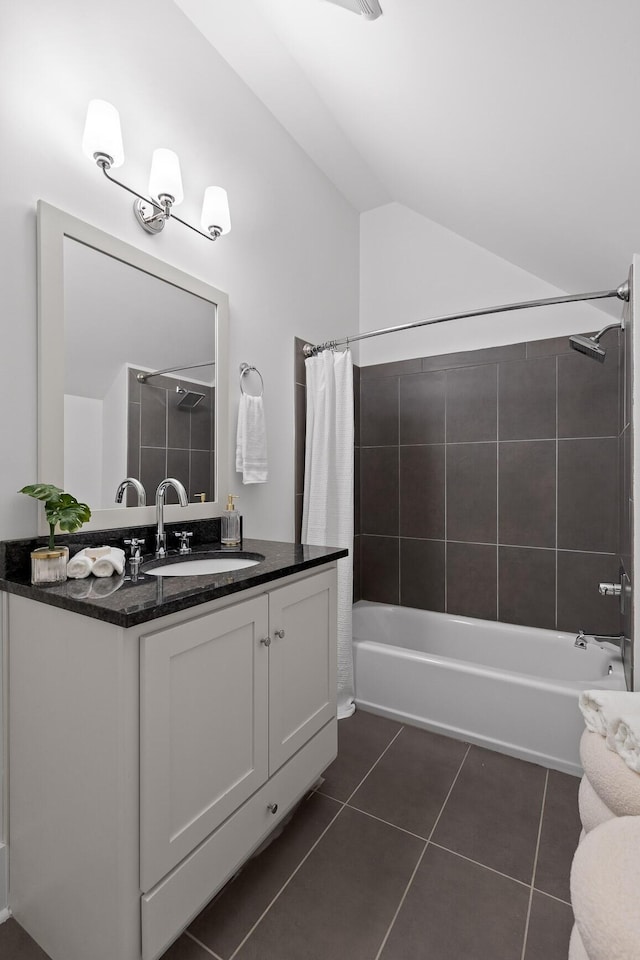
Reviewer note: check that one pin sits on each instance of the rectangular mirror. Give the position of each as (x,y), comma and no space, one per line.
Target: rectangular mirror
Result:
(132,374)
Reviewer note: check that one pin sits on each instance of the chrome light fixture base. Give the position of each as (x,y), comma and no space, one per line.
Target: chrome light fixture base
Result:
(150,217)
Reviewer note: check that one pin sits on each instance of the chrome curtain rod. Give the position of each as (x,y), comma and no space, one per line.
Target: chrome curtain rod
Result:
(143,377)
(621,292)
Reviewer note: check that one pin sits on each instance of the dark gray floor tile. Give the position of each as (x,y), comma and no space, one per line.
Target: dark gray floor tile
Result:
(379,412)
(527,485)
(380,569)
(343,898)
(559,838)
(224,923)
(493,813)
(588,495)
(549,930)
(456,910)
(362,737)
(527,587)
(379,491)
(588,394)
(422,491)
(472,403)
(16,944)
(527,399)
(472,478)
(580,605)
(422,408)
(422,574)
(472,575)
(410,783)
(186,949)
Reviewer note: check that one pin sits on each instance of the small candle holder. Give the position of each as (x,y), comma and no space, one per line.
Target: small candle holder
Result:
(49,566)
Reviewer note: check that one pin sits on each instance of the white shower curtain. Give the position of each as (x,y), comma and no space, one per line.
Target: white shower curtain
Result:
(327,516)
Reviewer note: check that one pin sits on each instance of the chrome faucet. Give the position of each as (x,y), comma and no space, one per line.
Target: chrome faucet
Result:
(137,486)
(583,639)
(161,537)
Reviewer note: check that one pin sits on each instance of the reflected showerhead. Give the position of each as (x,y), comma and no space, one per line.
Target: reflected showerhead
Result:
(188,398)
(589,346)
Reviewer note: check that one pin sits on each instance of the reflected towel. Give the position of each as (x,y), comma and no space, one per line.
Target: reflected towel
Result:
(112,563)
(103,588)
(610,777)
(602,709)
(80,566)
(593,809)
(251,440)
(627,740)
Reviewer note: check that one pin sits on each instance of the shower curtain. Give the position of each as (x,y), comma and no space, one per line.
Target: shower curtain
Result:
(327,515)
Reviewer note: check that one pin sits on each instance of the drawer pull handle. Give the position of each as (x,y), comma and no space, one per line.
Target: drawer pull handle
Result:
(272,808)
(278,633)
(266,641)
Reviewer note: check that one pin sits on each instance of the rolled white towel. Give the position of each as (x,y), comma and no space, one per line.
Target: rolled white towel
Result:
(616,785)
(593,810)
(605,877)
(80,566)
(627,740)
(576,946)
(111,563)
(601,709)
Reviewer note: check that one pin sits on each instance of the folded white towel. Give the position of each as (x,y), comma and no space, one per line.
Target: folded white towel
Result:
(602,708)
(605,877)
(627,740)
(610,777)
(112,563)
(576,946)
(80,566)
(251,440)
(593,810)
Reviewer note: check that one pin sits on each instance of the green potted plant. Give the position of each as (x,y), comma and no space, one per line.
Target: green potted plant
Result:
(49,564)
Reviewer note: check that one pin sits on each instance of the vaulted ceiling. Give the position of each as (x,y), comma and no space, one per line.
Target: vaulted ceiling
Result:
(514,123)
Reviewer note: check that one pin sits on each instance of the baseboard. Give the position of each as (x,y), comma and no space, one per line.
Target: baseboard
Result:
(4,886)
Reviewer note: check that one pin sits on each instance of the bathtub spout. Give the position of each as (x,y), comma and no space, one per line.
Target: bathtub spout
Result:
(583,639)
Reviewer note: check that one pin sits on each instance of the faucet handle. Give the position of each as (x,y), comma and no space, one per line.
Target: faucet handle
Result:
(135,545)
(184,540)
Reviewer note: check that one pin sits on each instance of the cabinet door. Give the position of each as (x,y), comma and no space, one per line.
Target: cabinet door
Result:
(203,733)
(302,663)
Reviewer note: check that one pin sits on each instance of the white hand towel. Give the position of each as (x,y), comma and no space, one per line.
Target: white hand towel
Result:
(80,566)
(593,810)
(627,740)
(610,777)
(112,563)
(602,708)
(576,946)
(251,440)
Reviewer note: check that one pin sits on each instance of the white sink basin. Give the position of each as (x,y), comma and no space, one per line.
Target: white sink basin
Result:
(193,568)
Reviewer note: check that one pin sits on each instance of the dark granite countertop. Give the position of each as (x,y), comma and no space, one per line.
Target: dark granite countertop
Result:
(126,603)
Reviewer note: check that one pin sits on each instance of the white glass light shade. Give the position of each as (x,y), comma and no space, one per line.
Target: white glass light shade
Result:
(165,177)
(102,132)
(215,210)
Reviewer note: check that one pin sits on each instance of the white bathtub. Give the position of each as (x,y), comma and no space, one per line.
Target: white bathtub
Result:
(510,688)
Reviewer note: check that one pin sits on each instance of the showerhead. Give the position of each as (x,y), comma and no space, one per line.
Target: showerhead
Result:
(188,398)
(588,346)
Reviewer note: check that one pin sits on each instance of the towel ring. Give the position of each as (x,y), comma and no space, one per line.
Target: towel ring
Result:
(246,368)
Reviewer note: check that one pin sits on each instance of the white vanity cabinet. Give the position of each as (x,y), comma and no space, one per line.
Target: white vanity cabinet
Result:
(148,763)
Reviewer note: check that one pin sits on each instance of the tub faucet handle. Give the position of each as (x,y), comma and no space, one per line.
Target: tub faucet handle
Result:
(610,589)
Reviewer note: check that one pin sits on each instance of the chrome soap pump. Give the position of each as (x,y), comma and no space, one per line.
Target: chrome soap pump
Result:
(231,534)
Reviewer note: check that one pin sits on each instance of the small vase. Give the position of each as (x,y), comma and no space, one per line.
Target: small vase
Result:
(49,566)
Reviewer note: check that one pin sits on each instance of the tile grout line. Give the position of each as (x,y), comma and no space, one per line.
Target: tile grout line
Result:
(420,858)
(551,896)
(535,867)
(203,945)
(310,851)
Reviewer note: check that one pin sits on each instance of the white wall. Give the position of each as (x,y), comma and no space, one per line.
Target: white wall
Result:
(411,268)
(289,265)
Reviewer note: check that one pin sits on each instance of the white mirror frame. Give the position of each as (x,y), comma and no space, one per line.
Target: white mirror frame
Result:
(53,226)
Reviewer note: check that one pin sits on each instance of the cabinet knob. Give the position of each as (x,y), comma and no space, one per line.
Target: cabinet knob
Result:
(272,807)
(266,641)
(278,633)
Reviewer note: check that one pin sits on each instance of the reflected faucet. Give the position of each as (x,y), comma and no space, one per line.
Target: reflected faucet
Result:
(583,639)
(137,486)
(161,537)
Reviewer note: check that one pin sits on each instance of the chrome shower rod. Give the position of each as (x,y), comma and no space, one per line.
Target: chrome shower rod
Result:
(621,292)
(143,377)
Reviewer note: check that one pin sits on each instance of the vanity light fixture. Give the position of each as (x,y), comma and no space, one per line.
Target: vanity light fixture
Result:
(102,142)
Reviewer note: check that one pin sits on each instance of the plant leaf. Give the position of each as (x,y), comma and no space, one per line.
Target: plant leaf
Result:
(42,491)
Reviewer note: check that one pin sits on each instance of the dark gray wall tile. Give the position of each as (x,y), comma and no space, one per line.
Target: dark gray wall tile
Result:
(550,925)
(580,606)
(472,580)
(422,408)
(299,369)
(422,574)
(527,587)
(471,492)
(527,399)
(379,490)
(588,395)
(379,569)
(397,368)
(551,347)
(298,518)
(588,495)
(422,491)
(471,358)
(300,428)
(356,404)
(627,365)
(472,402)
(179,424)
(559,835)
(153,420)
(178,467)
(203,420)
(200,474)
(133,440)
(357,588)
(356,491)
(527,490)
(379,412)
(153,469)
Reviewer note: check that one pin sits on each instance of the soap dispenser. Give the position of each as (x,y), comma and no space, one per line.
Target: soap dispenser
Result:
(231,533)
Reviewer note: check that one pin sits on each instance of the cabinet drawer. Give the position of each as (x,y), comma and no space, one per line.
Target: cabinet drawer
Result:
(175,901)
